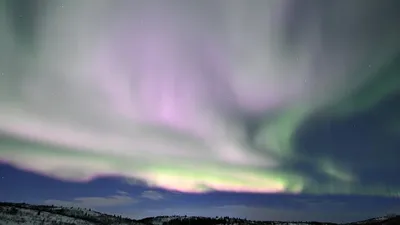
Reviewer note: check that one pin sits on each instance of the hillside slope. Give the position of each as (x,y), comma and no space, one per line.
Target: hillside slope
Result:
(26,214)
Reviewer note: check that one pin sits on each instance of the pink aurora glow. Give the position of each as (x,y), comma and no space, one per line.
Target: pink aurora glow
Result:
(150,84)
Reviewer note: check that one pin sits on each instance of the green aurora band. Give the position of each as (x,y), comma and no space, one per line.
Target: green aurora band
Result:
(161,93)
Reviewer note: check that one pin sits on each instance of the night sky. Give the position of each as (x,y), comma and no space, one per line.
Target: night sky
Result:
(267,110)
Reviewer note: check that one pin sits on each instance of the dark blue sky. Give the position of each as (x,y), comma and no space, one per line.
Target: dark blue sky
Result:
(354,140)
(21,186)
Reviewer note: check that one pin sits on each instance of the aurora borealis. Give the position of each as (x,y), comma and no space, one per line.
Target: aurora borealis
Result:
(195,96)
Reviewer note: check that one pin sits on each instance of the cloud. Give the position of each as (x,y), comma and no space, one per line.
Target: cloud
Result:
(119,192)
(134,181)
(190,103)
(153,195)
(95,202)
(122,198)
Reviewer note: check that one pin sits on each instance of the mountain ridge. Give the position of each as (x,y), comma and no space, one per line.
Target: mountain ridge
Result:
(29,214)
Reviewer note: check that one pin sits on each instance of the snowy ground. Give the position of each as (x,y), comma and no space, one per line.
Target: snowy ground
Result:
(25,214)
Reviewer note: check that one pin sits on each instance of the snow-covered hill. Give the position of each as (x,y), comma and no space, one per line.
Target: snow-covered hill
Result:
(184,220)
(384,220)
(26,214)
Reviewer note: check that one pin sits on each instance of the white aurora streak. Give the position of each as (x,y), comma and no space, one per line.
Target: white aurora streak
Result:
(158,91)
